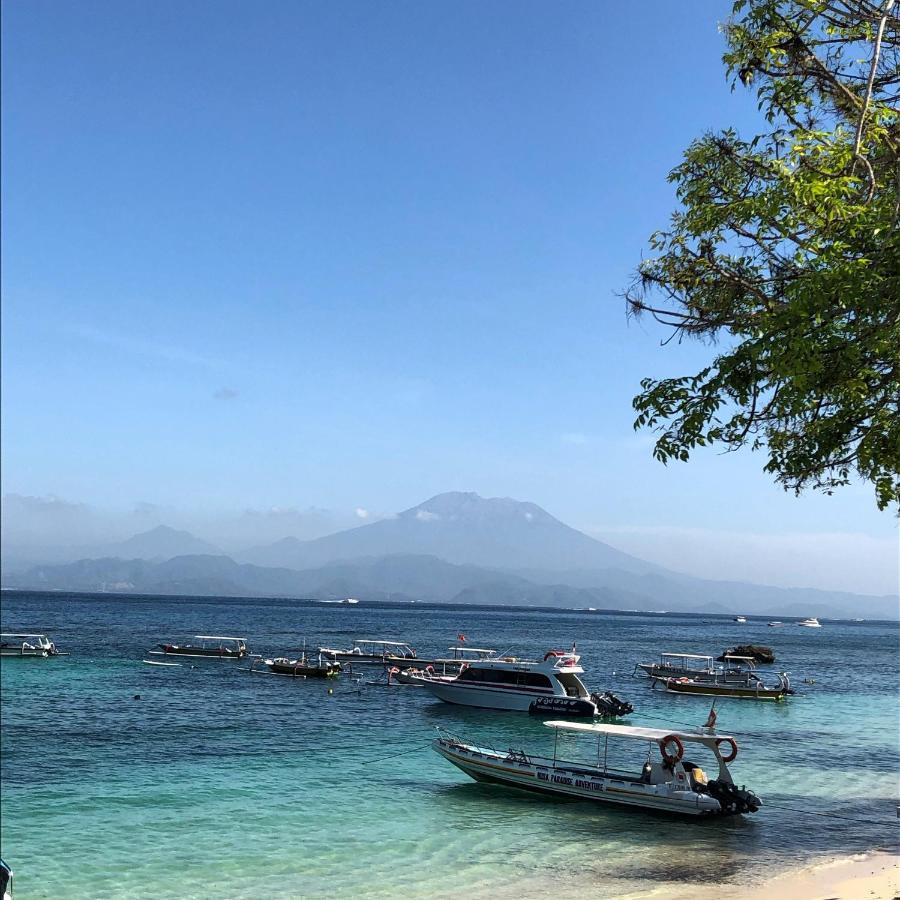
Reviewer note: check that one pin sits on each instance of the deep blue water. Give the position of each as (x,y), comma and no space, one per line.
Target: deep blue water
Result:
(217,783)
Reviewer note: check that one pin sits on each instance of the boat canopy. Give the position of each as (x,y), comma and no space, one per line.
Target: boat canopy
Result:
(474,649)
(741,658)
(686,656)
(217,637)
(9,635)
(637,733)
(382,643)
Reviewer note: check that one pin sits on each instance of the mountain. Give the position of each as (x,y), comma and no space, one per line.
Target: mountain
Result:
(419,577)
(462,528)
(161,542)
(455,547)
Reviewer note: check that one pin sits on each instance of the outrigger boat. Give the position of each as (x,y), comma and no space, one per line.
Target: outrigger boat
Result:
(393,653)
(667,782)
(209,646)
(752,688)
(441,669)
(699,668)
(303,667)
(30,646)
(550,685)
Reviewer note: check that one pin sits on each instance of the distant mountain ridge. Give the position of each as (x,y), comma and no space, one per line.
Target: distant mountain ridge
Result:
(455,547)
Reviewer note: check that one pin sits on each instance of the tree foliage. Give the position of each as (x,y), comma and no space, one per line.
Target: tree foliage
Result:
(785,255)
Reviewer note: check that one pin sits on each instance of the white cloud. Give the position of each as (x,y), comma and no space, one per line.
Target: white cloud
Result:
(424,516)
(837,561)
(361,513)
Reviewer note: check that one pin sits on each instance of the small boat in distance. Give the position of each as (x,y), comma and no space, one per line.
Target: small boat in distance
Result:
(207,646)
(668,783)
(697,666)
(775,624)
(741,619)
(31,646)
(810,623)
(392,653)
(303,667)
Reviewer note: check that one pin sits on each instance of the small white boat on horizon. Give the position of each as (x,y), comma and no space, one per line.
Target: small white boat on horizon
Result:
(810,623)
(741,619)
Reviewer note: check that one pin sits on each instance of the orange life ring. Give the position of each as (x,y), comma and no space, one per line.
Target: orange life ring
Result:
(429,670)
(671,758)
(734,748)
(551,653)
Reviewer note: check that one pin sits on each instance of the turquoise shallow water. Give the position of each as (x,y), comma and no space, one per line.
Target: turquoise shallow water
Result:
(221,784)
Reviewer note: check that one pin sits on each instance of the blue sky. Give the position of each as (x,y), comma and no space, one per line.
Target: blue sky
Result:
(354,254)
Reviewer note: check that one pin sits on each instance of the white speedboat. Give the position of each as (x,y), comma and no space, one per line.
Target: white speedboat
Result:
(775,624)
(810,623)
(28,645)
(549,685)
(741,619)
(667,781)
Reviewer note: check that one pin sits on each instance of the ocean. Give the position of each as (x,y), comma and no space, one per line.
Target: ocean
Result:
(217,783)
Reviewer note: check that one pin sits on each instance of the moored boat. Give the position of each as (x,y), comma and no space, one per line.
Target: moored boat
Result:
(205,646)
(392,653)
(28,646)
(547,686)
(698,667)
(753,688)
(666,782)
(303,667)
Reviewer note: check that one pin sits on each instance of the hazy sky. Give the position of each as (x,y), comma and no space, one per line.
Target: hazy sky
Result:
(350,255)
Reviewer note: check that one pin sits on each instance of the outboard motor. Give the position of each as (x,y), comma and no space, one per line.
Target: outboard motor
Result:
(608,704)
(733,799)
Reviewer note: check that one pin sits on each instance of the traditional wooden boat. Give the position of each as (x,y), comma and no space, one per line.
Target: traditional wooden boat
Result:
(369,652)
(205,646)
(666,782)
(700,668)
(28,646)
(303,667)
(753,688)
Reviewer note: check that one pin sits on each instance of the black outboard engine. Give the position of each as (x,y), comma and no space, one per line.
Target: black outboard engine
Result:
(608,704)
(733,799)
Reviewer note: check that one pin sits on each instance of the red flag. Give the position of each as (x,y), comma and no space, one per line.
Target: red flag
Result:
(461,637)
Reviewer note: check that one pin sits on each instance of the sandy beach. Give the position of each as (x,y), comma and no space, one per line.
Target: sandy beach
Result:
(865,876)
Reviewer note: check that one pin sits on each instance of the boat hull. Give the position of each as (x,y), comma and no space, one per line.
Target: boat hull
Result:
(484,696)
(199,653)
(301,670)
(517,770)
(739,692)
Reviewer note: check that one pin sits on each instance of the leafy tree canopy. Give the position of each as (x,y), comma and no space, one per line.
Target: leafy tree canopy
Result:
(785,254)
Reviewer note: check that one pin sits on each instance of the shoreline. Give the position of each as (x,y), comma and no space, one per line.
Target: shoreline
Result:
(873,875)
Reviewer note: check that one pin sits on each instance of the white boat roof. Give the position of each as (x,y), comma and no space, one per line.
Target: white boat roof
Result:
(637,733)
(10,634)
(474,649)
(382,643)
(217,637)
(744,658)
(686,655)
